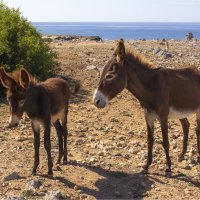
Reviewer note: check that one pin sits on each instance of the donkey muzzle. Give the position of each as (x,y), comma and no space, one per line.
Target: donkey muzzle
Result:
(13,121)
(99,99)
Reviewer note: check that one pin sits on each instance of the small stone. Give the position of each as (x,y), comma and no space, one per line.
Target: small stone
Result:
(192,161)
(20,138)
(197,177)
(191,152)
(156,51)
(174,144)
(75,187)
(101,153)
(141,164)
(91,67)
(79,142)
(12,176)
(53,195)
(35,183)
(130,133)
(160,167)
(81,177)
(58,168)
(167,55)
(5,184)
(133,151)
(122,138)
(114,119)
(83,196)
(187,191)
(92,160)
(127,156)
(187,167)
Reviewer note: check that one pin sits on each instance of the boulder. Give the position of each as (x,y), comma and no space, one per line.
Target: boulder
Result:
(189,36)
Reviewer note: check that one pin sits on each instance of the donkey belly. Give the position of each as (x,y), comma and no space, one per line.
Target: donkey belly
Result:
(177,114)
(58,115)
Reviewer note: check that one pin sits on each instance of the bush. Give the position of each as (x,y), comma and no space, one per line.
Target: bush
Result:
(22,46)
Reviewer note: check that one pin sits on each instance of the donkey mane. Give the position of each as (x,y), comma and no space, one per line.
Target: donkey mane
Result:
(135,57)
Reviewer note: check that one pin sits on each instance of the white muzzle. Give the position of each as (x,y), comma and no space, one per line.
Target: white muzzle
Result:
(13,121)
(99,99)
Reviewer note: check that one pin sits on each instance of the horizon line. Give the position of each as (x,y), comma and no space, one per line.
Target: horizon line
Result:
(115,22)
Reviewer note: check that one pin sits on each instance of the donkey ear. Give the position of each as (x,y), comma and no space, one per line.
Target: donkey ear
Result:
(24,78)
(120,51)
(6,80)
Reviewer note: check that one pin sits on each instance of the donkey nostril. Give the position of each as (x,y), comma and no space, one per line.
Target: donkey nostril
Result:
(97,102)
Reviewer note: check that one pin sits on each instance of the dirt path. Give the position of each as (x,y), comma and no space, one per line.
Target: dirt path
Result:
(106,147)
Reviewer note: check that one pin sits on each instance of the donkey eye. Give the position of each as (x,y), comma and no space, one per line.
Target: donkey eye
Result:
(21,102)
(109,76)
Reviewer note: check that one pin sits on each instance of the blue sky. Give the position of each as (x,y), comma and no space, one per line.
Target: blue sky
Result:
(108,10)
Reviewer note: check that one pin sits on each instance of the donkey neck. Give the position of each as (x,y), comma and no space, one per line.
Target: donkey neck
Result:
(138,77)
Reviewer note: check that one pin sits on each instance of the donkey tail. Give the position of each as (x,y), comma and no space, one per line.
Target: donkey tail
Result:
(77,87)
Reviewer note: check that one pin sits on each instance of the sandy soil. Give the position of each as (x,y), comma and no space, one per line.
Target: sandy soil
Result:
(107,147)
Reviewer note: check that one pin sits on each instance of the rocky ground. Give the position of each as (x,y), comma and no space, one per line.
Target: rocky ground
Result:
(107,147)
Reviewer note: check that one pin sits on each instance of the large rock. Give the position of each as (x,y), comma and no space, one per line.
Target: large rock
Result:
(189,36)
(94,38)
(76,37)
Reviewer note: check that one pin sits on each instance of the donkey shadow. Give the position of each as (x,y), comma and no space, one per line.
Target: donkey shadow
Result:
(180,177)
(113,184)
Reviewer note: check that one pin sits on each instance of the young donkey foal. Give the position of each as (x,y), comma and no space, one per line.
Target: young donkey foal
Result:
(44,103)
(163,93)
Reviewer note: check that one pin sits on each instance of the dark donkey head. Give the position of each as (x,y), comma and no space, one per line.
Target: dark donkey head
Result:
(16,84)
(113,77)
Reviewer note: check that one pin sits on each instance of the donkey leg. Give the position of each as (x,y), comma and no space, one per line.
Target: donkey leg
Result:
(185,126)
(150,118)
(198,135)
(65,135)
(164,129)
(36,131)
(47,145)
(59,130)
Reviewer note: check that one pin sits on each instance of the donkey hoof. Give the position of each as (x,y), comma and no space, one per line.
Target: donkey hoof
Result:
(33,173)
(144,171)
(50,172)
(64,162)
(168,170)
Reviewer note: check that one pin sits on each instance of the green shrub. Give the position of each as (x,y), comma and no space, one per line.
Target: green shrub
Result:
(22,46)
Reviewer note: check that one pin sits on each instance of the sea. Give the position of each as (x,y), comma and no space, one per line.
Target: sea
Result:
(116,30)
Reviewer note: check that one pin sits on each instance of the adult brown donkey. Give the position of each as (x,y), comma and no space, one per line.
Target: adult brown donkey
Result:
(163,93)
(44,103)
